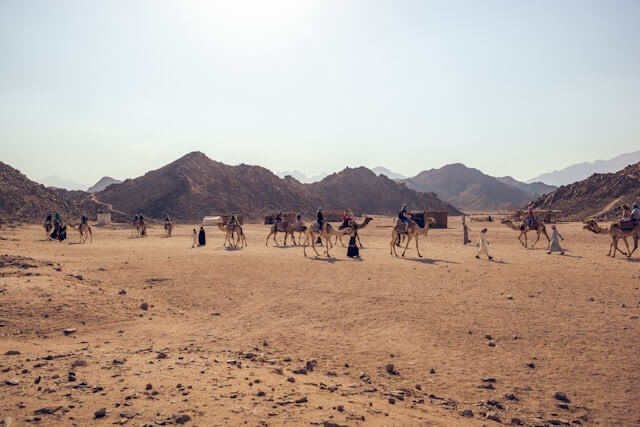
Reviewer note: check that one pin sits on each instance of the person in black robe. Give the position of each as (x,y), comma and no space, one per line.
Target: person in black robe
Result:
(62,232)
(202,240)
(353,251)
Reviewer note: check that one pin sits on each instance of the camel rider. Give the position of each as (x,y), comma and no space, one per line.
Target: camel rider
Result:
(635,213)
(57,223)
(626,216)
(531,219)
(320,220)
(298,221)
(233,219)
(346,218)
(403,218)
(167,219)
(84,219)
(135,219)
(278,219)
(48,218)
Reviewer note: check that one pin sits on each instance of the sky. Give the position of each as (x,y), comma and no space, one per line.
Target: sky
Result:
(95,88)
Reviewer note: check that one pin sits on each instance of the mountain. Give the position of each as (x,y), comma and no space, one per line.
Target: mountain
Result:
(365,192)
(533,189)
(56,181)
(302,177)
(582,171)
(599,196)
(379,170)
(468,188)
(194,186)
(103,183)
(26,200)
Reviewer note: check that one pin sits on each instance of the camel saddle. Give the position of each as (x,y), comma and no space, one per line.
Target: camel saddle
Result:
(315,227)
(627,225)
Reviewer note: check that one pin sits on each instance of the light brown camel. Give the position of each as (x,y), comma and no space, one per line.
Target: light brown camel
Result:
(539,228)
(616,233)
(168,228)
(356,227)
(413,230)
(230,230)
(286,228)
(139,228)
(85,231)
(312,233)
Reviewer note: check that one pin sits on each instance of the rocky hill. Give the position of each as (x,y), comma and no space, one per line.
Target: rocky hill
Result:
(533,189)
(599,196)
(103,183)
(365,192)
(194,186)
(468,188)
(25,200)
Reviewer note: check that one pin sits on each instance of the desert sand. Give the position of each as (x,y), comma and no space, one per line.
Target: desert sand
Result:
(265,336)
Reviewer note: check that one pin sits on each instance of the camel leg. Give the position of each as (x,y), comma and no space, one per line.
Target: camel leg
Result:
(417,248)
(394,239)
(520,239)
(267,242)
(407,244)
(274,238)
(628,254)
(313,243)
(359,242)
(538,238)
(328,244)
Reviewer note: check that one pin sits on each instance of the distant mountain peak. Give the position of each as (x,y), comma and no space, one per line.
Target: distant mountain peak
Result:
(103,183)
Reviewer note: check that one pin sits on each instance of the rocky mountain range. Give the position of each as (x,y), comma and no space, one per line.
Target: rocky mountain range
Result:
(103,183)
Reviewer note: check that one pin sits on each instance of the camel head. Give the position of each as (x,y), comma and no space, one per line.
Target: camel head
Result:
(430,221)
(592,226)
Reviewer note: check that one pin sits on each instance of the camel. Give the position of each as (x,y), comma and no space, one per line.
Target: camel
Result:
(413,231)
(85,231)
(356,227)
(229,230)
(168,228)
(311,235)
(523,229)
(616,234)
(288,229)
(139,228)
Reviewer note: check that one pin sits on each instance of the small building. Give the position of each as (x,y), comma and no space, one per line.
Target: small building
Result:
(104,218)
(440,217)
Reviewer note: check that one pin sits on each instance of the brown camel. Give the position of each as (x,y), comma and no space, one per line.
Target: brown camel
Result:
(85,231)
(230,230)
(356,227)
(286,228)
(312,233)
(616,233)
(539,228)
(139,228)
(413,230)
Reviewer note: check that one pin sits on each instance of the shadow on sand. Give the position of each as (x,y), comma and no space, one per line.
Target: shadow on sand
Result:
(427,260)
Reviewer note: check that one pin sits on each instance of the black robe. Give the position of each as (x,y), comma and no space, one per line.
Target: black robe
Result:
(353,250)
(202,240)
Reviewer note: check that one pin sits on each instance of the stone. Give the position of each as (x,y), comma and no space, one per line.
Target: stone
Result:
(119,361)
(391,370)
(301,371)
(489,380)
(49,410)
(561,396)
(182,419)
(531,365)
(291,380)
(161,355)
(261,394)
(432,371)
(516,421)
(468,413)
(492,344)
(13,381)
(144,306)
(100,413)
(79,363)
(494,417)
(148,387)
(511,396)
(122,292)
(302,400)
(12,353)
(310,365)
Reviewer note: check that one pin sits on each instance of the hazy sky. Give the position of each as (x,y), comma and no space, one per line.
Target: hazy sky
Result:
(93,88)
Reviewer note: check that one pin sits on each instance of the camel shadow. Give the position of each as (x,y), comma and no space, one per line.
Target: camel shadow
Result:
(325,259)
(572,256)
(428,260)
(498,261)
(76,243)
(633,259)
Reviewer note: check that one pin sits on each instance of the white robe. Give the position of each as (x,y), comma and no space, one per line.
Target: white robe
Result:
(483,245)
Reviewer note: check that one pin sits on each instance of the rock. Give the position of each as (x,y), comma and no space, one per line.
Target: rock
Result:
(310,365)
(489,380)
(79,363)
(494,417)
(340,408)
(391,370)
(144,306)
(48,410)
(531,365)
(561,396)
(302,400)
(511,396)
(432,371)
(13,381)
(468,413)
(122,292)
(37,380)
(492,344)
(249,356)
(161,355)
(392,401)
(418,387)
(563,406)
(100,413)
(7,422)
(301,371)
(148,387)
(12,353)
(489,337)
(119,361)
(261,394)
(291,380)
(182,419)
(516,421)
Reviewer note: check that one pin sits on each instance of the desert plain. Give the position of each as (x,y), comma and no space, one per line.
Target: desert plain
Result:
(148,331)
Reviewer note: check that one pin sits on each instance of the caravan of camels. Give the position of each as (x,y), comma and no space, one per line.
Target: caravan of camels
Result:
(323,233)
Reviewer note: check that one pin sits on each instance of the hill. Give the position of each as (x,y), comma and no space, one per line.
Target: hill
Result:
(598,196)
(194,186)
(56,181)
(25,200)
(583,170)
(379,170)
(365,192)
(533,189)
(468,188)
(103,183)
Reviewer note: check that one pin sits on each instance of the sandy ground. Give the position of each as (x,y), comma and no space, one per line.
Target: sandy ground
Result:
(264,336)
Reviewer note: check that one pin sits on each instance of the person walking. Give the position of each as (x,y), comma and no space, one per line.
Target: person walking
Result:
(202,239)
(554,243)
(195,239)
(483,244)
